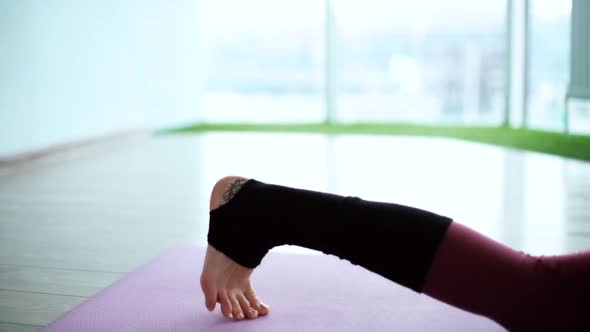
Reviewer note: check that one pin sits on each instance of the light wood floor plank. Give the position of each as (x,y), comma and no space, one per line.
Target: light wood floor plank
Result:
(8,327)
(54,281)
(34,308)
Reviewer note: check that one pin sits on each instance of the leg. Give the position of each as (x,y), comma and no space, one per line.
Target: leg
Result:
(248,218)
(262,216)
(519,291)
(451,263)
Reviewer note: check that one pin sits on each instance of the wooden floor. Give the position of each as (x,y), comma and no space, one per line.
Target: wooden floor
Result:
(70,228)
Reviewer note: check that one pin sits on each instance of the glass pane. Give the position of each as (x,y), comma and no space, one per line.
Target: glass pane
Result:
(265,60)
(549,62)
(422,61)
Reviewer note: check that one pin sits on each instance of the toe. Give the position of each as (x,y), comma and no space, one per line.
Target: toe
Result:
(246,307)
(264,309)
(226,305)
(210,292)
(261,308)
(236,308)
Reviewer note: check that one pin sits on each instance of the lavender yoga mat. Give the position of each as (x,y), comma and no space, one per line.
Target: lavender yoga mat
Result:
(306,293)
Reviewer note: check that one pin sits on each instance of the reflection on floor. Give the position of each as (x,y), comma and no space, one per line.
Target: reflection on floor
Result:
(69,229)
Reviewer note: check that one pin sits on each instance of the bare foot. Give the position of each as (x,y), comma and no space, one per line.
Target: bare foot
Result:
(224,281)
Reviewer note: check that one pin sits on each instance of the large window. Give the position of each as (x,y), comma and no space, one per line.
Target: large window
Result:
(265,60)
(548,58)
(423,61)
(420,61)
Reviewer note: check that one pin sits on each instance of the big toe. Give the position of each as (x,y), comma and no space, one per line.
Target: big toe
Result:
(263,309)
(256,303)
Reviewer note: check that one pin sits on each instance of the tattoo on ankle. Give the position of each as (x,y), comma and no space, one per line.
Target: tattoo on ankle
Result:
(233,190)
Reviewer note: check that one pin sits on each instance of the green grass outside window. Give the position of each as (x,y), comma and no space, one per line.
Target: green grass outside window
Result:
(571,146)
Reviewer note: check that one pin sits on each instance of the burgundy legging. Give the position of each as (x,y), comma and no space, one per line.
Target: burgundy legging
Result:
(480,275)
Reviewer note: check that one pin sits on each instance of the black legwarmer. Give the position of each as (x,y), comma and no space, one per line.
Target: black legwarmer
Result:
(395,241)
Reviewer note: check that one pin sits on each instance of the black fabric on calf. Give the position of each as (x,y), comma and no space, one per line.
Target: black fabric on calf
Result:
(395,241)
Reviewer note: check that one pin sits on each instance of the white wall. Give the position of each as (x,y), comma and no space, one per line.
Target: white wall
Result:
(72,69)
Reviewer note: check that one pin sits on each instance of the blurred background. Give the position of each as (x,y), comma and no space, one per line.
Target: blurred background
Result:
(117,117)
(72,70)
(435,62)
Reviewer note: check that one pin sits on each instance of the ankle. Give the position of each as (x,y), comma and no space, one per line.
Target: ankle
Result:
(225,189)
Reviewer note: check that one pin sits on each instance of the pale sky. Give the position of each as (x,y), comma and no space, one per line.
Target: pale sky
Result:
(356,15)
